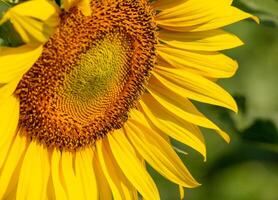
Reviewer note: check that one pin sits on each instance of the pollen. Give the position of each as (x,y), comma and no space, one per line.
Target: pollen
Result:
(91,73)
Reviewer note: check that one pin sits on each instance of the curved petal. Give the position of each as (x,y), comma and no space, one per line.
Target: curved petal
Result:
(7,90)
(120,186)
(72,185)
(56,176)
(200,15)
(86,173)
(157,152)
(208,64)
(194,87)
(166,4)
(213,40)
(131,166)
(103,186)
(9,116)
(17,61)
(34,20)
(34,173)
(10,171)
(178,105)
(175,127)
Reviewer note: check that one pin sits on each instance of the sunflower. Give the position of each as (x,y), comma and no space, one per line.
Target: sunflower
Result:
(99,88)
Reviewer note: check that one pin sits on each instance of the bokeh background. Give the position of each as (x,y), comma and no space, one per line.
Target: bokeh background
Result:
(247,168)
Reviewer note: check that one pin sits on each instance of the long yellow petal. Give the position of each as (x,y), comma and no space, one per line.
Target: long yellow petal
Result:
(178,104)
(120,186)
(86,174)
(200,15)
(17,61)
(208,64)
(103,186)
(8,89)
(166,4)
(157,152)
(194,87)
(131,166)
(10,170)
(9,116)
(56,176)
(34,173)
(34,14)
(175,127)
(213,40)
(72,185)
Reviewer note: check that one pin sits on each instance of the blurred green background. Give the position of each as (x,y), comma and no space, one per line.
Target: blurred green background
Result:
(247,168)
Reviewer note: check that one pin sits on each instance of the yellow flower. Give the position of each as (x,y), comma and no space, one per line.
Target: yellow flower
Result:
(81,111)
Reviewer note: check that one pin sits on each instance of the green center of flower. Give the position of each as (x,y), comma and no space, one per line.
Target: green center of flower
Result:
(93,79)
(91,73)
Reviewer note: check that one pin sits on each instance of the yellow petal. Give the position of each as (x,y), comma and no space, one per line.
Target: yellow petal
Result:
(166,4)
(194,87)
(8,89)
(34,20)
(175,127)
(83,5)
(10,171)
(208,64)
(120,186)
(34,173)
(85,173)
(103,186)
(17,61)
(213,40)
(200,15)
(72,185)
(30,29)
(56,176)
(131,166)
(157,152)
(9,116)
(178,104)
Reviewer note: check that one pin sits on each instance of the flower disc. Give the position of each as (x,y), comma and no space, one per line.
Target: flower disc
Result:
(90,74)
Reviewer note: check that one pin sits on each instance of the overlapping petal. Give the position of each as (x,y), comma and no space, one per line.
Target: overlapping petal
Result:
(131,166)
(34,173)
(208,64)
(120,186)
(214,40)
(9,172)
(9,116)
(157,152)
(85,173)
(172,125)
(83,5)
(15,61)
(179,105)
(200,15)
(194,87)
(34,20)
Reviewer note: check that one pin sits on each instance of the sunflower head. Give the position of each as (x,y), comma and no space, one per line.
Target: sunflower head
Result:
(90,76)
(99,87)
